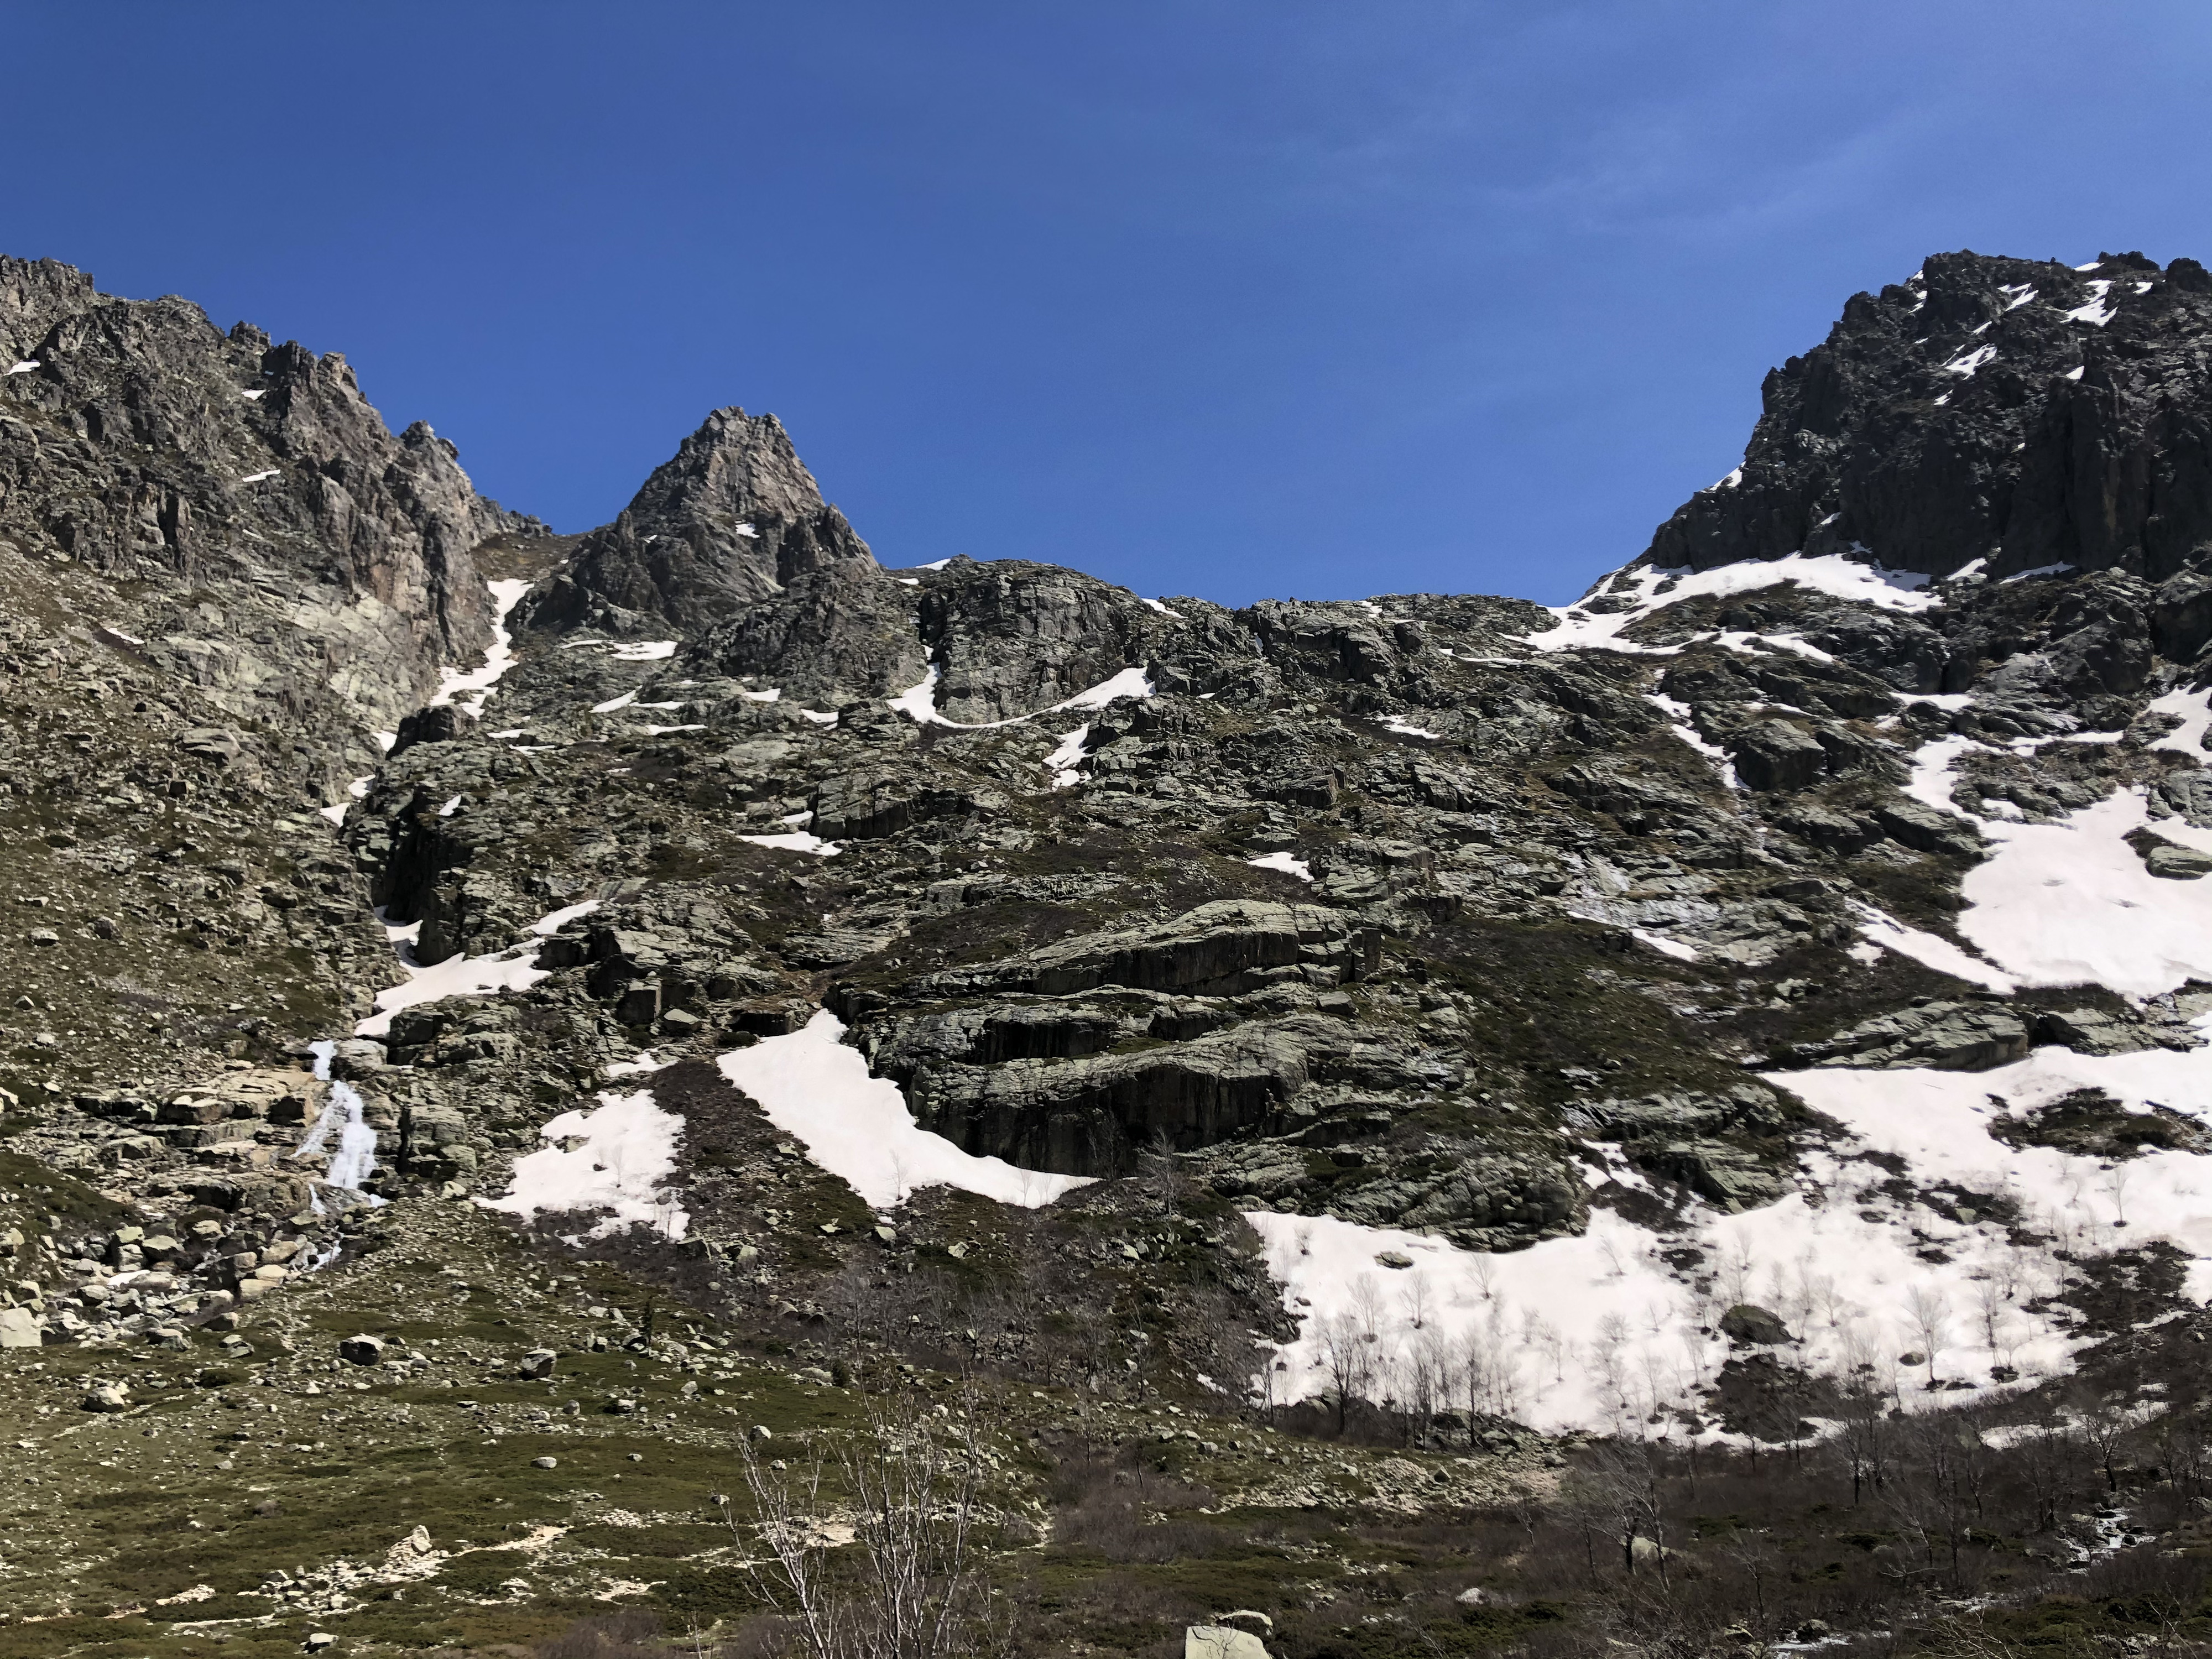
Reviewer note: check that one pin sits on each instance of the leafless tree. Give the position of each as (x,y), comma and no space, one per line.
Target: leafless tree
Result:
(1414,1299)
(1930,1311)
(914,1486)
(1345,1353)
(1367,1305)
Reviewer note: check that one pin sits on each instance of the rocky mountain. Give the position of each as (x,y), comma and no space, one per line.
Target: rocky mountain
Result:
(1332,1077)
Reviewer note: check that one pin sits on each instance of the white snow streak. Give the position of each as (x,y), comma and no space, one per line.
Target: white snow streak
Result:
(857,1126)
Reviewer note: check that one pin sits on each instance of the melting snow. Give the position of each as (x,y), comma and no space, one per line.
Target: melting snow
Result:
(1406,730)
(918,702)
(1156,605)
(2195,708)
(1678,717)
(23,367)
(256,478)
(453,684)
(613,703)
(1064,760)
(1833,574)
(857,1126)
(1967,362)
(1284,862)
(514,968)
(1879,928)
(553,921)
(798,841)
(2099,310)
(612,1158)
(1666,947)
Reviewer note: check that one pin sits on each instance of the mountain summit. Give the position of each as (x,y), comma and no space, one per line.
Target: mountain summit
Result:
(2020,413)
(733,517)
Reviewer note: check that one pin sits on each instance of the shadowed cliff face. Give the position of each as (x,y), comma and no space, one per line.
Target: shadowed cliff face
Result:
(2013,410)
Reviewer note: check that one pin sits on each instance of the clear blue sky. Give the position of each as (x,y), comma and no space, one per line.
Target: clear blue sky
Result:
(1217,296)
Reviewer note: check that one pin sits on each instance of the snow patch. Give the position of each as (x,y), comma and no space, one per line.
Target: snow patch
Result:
(2099,310)
(918,702)
(1064,760)
(1665,946)
(1882,932)
(1833,573)
(2194,709)
(477,683)
(1285,862)
(613,1159)
(798,841)
(857,1126)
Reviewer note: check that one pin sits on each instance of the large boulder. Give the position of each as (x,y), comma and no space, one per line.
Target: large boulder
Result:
(1221,1642)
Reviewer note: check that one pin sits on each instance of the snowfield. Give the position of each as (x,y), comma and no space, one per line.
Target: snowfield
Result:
(857,1126)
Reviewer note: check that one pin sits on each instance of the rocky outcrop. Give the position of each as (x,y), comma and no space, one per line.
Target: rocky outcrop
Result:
(138,439)
(731,518)
(2008,410)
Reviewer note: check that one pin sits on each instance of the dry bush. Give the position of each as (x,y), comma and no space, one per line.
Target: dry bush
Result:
(1102,1503)
(628,1634)
(909,1492)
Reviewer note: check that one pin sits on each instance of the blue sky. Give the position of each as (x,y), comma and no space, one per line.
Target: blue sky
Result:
(1231,299)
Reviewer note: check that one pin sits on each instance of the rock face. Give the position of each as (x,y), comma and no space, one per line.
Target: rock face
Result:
(139,440)
(2013,411)
(1446,915)
(731,518)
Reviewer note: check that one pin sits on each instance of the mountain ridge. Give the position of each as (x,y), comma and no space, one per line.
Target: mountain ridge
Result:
(1378,1061)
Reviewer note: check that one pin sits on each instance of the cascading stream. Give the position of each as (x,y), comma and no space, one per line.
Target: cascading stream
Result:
(354,1158)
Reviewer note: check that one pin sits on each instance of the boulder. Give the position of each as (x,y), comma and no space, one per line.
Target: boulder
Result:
(1221,1642)
(1777,755)
(2172,863)
(1753,1326)
(1949,1037)
(361,1350)
(1921,827)
(19,1328)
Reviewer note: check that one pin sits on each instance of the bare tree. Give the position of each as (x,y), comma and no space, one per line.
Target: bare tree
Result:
(1930,1311)
(1367,1305)
(2106,1422)
(1345,1354)
(1413,1298)
(914,1487)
